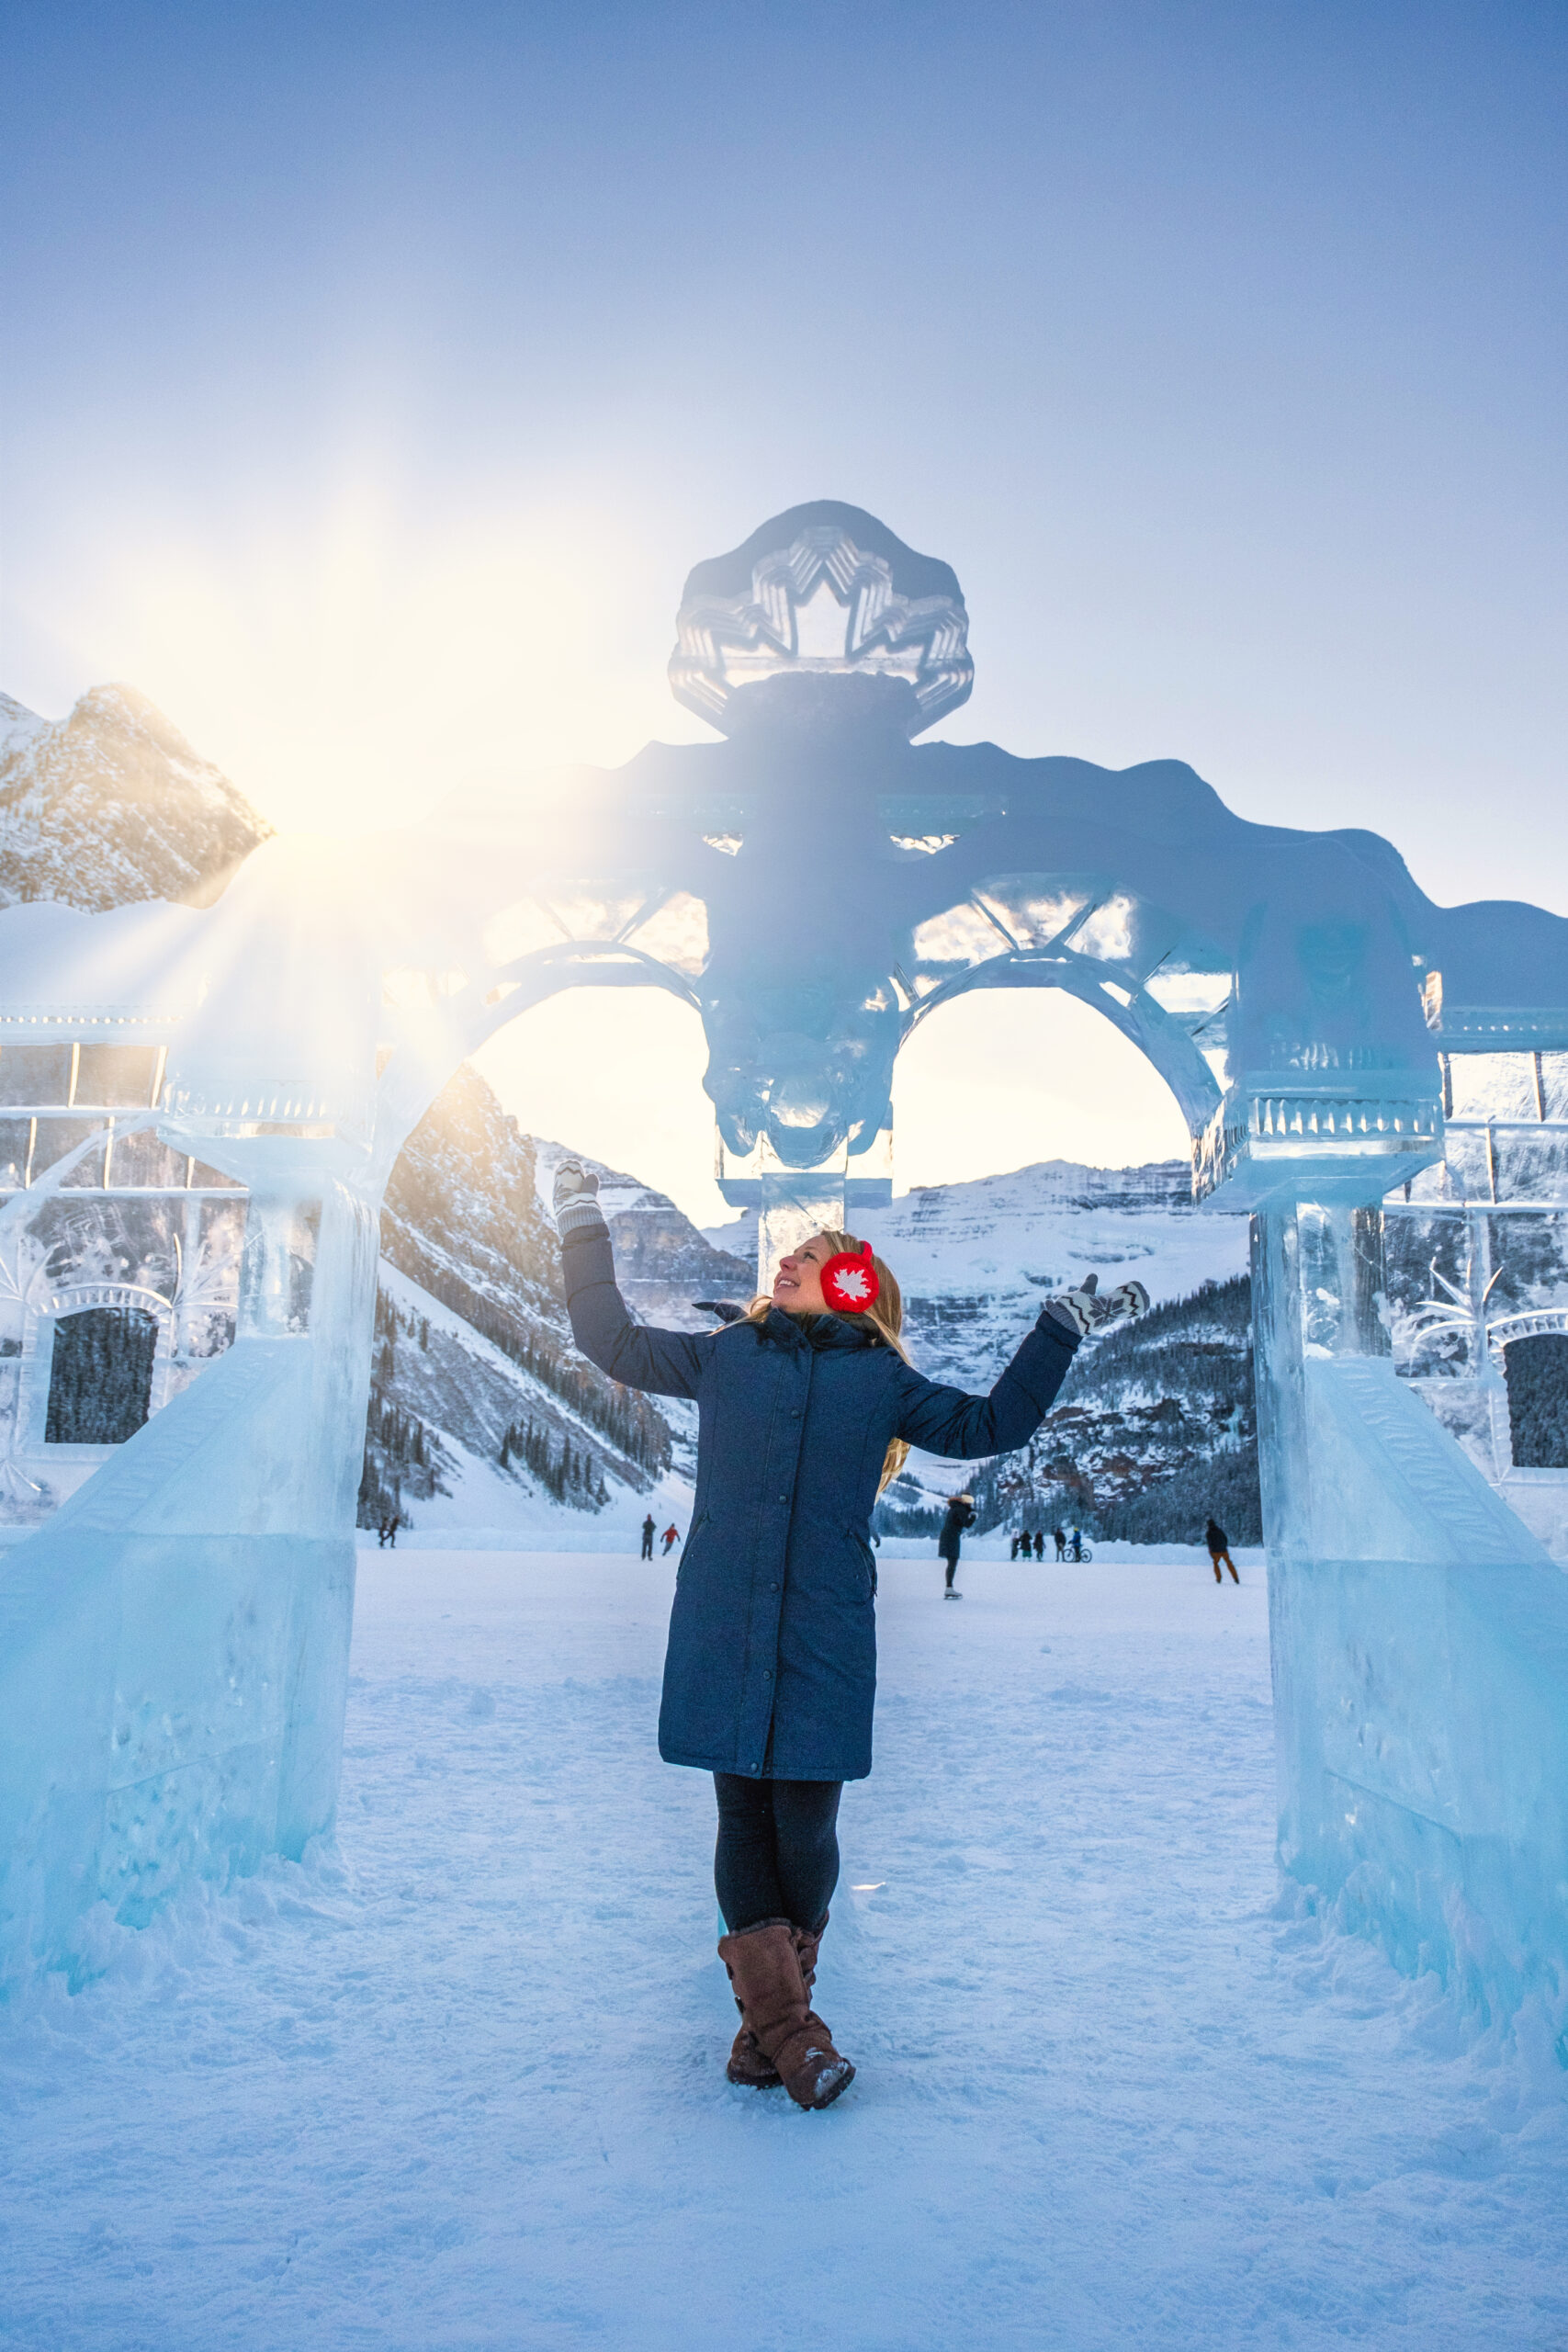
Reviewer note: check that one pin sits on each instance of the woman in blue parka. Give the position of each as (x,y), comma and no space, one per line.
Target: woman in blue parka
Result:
(806,1407)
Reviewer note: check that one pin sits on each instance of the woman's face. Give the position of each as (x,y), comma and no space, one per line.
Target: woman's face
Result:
(797,1285)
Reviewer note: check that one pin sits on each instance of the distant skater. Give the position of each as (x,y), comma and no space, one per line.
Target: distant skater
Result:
(648,1537)
(671,1537)
(1040,1543)
(808,1406)
(1059,1536)
(1219,1544)
(960,1515)
(1016,1542)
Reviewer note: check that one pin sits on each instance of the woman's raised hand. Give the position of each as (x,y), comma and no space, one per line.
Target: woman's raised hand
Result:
(1087,1310)
(576,1199)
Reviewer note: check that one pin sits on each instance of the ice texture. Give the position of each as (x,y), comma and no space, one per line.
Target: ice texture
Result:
(1358,1068)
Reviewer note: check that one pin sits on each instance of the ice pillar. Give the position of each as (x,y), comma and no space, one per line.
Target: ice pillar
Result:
(795,1204)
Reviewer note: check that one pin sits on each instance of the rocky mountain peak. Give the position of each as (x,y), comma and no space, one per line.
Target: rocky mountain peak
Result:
(111,804)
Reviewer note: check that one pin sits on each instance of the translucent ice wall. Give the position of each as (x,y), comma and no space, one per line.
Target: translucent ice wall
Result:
(1420,1642)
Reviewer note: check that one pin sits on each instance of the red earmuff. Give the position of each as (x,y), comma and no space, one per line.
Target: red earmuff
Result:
(849,1283)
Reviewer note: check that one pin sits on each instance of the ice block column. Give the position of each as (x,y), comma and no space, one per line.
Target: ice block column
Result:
(795,1204)
(1344,1279)
(1480,1276)
(276,1268)
(1278,1381)
(1317,1292)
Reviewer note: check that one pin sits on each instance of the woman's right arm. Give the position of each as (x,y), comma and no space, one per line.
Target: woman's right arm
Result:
(670,1364)
(945,1421)
(964,1429)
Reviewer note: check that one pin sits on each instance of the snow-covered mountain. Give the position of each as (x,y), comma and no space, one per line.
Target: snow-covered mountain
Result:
(111,805)
(975,1261)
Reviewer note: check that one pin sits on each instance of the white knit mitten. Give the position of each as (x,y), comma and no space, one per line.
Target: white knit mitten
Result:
(1086,1311)
(576,1199)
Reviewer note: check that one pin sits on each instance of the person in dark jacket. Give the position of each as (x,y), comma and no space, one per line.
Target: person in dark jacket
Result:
(648,1537)
(806,1407)
(960,1515)
(1219,1544)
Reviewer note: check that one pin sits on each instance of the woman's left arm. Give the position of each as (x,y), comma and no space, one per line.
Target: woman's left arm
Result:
(640,1355)
(668,1363)
(946,1421)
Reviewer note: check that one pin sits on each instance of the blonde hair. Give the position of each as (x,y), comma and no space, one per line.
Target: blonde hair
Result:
(886,1315)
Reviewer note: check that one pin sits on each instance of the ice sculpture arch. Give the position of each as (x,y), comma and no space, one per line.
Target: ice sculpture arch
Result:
(173,1639)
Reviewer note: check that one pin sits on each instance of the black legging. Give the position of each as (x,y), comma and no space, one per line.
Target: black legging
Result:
(777,1856)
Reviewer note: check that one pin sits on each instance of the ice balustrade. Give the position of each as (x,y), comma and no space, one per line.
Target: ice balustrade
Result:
(1368,1073)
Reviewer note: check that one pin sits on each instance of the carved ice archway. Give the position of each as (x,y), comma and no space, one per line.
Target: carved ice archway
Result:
(1166,1016)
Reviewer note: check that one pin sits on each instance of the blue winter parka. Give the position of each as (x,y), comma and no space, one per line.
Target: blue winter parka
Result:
(771,1668)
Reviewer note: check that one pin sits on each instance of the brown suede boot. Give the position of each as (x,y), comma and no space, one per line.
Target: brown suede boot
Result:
(765,1968)
(746,2064)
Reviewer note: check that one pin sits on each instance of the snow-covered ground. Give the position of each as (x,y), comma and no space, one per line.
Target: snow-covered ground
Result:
(459,2084)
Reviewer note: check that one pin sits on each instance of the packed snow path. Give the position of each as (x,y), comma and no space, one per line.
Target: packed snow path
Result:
(460,2085)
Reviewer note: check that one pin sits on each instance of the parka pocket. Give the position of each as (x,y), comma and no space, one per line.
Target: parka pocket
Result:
(689,1546)
(868,1559)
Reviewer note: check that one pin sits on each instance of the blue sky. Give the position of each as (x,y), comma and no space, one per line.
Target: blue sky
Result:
(373,375)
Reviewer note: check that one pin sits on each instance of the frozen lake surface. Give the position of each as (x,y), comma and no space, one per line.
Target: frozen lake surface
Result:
(459,2082)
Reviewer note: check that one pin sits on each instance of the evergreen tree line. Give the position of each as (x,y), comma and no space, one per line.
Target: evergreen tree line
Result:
(401,1436)
(570,1474)
(401,1456)
(392,1323)
(380,1500)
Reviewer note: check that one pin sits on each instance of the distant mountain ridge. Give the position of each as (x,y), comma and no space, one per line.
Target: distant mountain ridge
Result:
(974,1261)
(1156,1429)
